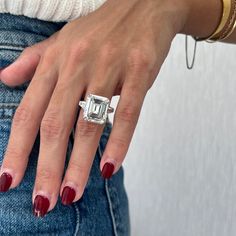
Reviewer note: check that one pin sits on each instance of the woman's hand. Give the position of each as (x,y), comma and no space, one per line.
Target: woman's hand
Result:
(116,50)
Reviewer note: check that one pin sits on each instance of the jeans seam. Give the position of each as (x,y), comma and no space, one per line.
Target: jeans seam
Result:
(12,47)
(109,199)
(6,105)
(77,213)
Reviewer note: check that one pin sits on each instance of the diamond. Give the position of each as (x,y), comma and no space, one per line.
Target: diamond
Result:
(96,108)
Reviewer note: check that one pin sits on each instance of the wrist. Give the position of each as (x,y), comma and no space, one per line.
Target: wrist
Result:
(202,17)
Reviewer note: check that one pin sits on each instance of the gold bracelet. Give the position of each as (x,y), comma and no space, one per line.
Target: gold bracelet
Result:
(231,25)
(234,26)
(226,12)
(227,5)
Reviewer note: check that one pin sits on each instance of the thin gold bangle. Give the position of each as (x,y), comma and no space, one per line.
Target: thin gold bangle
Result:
(224,18)
(231,31)
(232,24)
(227,4)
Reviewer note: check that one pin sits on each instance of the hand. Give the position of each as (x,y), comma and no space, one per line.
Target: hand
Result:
(116,50)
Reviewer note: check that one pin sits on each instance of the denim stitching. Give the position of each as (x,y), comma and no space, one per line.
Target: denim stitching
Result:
(12,47)
(109,199)
(41,34)
(111,208)
(74,204)
(6,105)
(76,233)
(6,118)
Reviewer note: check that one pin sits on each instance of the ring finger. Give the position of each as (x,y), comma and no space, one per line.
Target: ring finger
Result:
(87,136)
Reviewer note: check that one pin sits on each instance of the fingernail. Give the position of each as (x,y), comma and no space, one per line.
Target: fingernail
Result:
(41,205)
(107,170)
(5,182)
(68,195)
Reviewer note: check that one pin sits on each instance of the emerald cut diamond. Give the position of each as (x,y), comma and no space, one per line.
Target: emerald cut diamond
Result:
(96,109)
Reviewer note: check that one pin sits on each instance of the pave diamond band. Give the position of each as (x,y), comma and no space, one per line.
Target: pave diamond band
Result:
(96,108)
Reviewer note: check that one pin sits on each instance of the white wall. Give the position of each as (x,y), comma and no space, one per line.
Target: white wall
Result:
(180,171)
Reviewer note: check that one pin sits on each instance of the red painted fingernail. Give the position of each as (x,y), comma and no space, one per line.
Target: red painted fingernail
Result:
(5,182)
(41,205)
(107,170)
(68,195)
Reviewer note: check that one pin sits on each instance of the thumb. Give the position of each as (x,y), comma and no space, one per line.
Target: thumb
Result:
(23,69)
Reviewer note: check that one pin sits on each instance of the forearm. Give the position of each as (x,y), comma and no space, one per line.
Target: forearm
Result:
(202,18)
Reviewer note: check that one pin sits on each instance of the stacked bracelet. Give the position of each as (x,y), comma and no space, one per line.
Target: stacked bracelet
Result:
(231,23)
(225,28)
(227,23)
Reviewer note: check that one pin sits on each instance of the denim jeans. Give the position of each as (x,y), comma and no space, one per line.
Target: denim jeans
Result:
(103,208)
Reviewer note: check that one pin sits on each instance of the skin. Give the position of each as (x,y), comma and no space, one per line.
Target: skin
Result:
(116,50)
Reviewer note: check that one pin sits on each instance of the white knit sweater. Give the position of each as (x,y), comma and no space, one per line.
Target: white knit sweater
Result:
(51,10)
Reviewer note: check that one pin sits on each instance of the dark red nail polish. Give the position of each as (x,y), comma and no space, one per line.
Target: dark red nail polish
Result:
(41,205)
(5,182)
(68,195)
(107,170)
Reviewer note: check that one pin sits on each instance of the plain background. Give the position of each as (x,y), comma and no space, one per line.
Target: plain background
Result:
(180,170)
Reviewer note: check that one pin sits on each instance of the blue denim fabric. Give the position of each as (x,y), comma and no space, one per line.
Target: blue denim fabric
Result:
(103,209)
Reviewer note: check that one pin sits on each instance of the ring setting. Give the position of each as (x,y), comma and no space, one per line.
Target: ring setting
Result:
(96,108)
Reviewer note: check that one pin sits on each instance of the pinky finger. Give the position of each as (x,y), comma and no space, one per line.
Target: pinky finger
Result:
(125,120)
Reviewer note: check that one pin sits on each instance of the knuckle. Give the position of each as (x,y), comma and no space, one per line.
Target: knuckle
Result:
(22,116)
(139,60)
(76,167)
(79,50)
(27,50)
(48,57)
(99,85)
(86,129)
(119,142)
(64,85)
(45,174)
(136,88)
(51,126)
(128,113)
(108,52)
(14,153)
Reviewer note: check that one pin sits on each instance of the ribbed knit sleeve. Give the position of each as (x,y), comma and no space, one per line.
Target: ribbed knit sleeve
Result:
(50,10)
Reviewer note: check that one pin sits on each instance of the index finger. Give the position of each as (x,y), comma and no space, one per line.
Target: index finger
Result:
(25,126)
